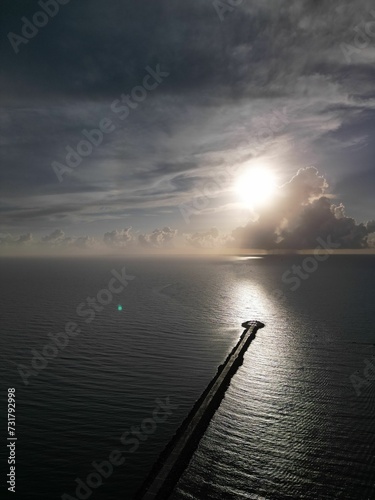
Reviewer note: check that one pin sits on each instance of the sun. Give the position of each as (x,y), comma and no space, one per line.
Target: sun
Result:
(256,187)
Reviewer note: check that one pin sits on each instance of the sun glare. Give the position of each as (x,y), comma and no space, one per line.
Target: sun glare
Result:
(256,187)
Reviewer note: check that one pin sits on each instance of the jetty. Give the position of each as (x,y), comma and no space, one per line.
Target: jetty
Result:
(177,454)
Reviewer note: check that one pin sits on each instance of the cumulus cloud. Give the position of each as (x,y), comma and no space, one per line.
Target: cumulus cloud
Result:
(85,242)
(370,227)
(56,237)
(7,239)
(59,239)
(119,238)
(338,211)
(158,238)
(206,239)
(25,239)
(371,240)
(307,185)
(302,213)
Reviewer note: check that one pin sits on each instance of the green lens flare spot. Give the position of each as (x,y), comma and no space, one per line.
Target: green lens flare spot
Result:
(119,307)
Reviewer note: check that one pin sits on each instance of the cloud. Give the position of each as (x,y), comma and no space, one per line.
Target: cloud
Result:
(304,187)
(6,239)
(302,212)
(119,238)
(58,239)
(55,238)
(225,80)
(84,242)
(338,211)
(371,240)
(25,239)
(207,239)
(158,238)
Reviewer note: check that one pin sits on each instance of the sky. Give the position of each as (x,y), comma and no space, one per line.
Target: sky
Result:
(127,125)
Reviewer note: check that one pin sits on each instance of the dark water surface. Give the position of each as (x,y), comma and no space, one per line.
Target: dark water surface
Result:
(291,424)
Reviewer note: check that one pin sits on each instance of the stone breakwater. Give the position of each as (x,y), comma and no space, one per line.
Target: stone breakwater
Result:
(177,454)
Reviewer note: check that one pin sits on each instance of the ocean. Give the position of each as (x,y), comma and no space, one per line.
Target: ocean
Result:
(95,351)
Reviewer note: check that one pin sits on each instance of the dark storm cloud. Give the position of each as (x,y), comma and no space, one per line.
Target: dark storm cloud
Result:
(93,50)
(225,77)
